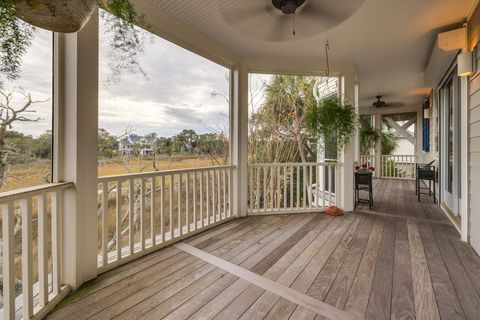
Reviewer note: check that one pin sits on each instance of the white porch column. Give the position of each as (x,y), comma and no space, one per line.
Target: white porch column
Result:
(348,157)
(240,141)
(377,119)
(76,123)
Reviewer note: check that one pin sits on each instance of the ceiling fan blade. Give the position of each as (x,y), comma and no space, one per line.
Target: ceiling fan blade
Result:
(245,15)
(278,29)
(329,13)
(395,104)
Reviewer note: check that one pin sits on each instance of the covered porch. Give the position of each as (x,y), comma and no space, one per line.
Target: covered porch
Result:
(249,239)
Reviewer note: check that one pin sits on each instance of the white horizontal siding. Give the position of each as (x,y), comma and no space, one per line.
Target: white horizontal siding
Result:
(474,157)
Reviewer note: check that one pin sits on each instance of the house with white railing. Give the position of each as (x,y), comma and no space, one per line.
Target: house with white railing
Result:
(252,240)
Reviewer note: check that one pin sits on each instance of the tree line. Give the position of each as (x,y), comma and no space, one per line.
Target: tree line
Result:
(185,143)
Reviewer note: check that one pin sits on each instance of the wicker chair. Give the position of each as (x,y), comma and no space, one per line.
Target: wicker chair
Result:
(426,172)
(363,181)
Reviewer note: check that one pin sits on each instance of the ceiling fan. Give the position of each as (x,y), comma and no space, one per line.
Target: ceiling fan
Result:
(274,20)
(379,103)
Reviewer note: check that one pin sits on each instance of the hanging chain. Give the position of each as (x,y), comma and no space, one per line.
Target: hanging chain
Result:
(293,32)
(327,47)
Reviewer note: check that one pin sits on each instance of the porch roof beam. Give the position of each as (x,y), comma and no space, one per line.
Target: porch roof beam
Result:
(400,130)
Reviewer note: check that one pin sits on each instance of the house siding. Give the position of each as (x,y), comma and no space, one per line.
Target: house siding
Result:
(474,135)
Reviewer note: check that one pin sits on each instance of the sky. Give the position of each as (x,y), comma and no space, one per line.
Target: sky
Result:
(176,93)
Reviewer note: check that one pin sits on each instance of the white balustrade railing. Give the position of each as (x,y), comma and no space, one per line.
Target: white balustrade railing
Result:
(369,160)
(292,187)
(398,166)
(32,265)
(139,213)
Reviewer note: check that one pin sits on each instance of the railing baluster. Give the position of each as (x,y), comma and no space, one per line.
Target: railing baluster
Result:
(272,191)
(291,187)
(257,171)
(214,198)
(104,222)
(251,170)
(278,187)
(42,250)
(310,193)
(162,207)
(317,182)
(207,183)
(131,214)
(298,187)
(27,274)
(152,212)
(284,187)
(330,185)
(224,175)
(230,193)
(201,200)
(172,181)
(142,212)
(324,186)
(265,193)
(195,200)
(8,260)
(56,198)
(180,222)
(118,219)
(219,197)
(187,201)
(304,186)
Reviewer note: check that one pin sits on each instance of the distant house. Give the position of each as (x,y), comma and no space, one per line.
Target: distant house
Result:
(126,148)
(146,150)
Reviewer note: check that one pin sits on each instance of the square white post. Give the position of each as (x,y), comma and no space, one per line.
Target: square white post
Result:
(240,141)
(349,92)
(377,118)
(75,149)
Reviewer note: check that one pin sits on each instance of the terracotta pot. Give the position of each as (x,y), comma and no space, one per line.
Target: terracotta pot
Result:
(333,211)
(57,15)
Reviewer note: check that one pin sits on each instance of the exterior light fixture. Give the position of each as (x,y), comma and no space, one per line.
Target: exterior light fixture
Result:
(464,64)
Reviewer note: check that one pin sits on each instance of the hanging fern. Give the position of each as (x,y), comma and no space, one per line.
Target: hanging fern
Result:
(15,38)
(122,29)
(332,121)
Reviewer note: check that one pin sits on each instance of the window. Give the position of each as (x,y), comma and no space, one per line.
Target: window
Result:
(27,152)
(175,115)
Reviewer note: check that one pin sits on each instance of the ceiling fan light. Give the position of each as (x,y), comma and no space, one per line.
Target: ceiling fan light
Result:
(289,6)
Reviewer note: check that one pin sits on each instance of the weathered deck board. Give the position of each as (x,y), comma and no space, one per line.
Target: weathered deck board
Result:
(403,260)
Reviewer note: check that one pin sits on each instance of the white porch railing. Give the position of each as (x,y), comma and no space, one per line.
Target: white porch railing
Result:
(37,288)
(398,166)
(292,187)
(139,213)
(369,160)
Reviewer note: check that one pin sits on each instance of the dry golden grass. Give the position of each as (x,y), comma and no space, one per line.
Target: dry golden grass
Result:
(26,175)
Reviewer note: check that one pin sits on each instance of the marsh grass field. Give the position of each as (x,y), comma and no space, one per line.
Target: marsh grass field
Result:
(31,174)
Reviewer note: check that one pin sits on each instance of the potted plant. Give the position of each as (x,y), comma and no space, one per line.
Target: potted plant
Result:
(333,121)
(18,19)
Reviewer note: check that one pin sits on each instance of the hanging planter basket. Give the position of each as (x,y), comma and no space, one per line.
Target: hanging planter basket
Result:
(64,16)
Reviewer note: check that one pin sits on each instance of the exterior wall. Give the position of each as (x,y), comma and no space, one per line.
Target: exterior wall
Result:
(474,132)
(474,152)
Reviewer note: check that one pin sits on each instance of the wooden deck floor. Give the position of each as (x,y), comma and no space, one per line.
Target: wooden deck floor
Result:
(397,197)
(358,266)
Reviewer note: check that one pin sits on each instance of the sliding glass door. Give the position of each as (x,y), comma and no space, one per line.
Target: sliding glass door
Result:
(450,143)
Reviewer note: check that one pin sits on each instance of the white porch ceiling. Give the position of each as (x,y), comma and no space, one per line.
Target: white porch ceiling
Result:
(389,41)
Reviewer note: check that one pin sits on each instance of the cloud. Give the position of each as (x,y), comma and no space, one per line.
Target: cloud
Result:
(175,95)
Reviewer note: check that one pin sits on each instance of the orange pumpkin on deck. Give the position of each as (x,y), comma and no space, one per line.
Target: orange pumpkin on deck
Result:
(334,211)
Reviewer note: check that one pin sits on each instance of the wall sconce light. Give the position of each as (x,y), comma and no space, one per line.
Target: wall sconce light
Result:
(426,113)
(464,64)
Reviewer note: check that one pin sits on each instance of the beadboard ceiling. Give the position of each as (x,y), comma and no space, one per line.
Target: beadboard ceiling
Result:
(389,41)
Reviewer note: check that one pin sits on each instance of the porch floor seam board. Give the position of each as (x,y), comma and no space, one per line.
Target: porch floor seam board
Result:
(285,292)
